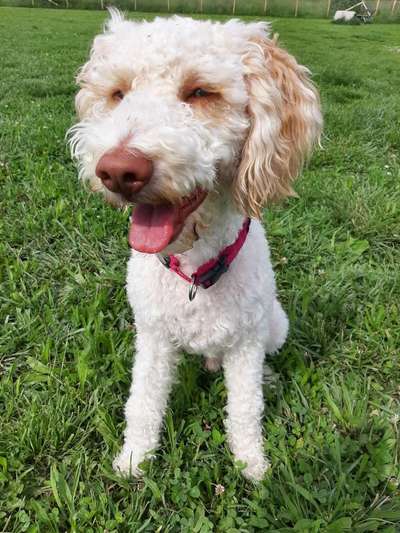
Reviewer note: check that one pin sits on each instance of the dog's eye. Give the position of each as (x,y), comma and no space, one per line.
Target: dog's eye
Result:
(199,93)
(197,96)
(117,96)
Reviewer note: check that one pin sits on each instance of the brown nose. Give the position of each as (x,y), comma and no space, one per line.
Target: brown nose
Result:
(124,172)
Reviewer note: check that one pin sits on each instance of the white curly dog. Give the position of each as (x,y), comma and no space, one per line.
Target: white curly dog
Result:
(199,124)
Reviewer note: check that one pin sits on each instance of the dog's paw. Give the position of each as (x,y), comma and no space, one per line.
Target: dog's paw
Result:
(255,468)
(126,464)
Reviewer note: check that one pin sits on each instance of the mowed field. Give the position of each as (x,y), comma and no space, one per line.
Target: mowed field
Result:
(332,402)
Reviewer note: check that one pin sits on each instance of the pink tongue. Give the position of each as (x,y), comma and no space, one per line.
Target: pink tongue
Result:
(152,227)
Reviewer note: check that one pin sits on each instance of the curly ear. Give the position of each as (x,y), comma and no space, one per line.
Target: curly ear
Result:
(285,122)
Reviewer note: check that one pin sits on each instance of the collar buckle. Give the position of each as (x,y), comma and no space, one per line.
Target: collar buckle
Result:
(211,276)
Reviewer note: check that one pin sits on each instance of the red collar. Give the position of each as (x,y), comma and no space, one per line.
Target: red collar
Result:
(209,273)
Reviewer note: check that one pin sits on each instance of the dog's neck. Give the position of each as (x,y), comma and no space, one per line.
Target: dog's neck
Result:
(209,230)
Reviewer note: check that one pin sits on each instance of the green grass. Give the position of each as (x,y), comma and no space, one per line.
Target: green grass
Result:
(332,415)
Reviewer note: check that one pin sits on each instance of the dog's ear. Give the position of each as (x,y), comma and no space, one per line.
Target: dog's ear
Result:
(285,122)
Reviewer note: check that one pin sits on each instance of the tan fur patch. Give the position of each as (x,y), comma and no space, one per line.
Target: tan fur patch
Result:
(193,82)
(211,105)
(92,92)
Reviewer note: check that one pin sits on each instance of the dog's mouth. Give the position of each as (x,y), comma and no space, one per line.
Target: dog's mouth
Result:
(155,226)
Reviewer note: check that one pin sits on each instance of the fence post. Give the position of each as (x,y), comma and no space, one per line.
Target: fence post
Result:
(233,7)
(378,3)
(168,6)
(296,8)
(265,7)
(328,8)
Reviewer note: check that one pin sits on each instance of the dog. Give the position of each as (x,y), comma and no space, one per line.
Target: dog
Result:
(199,125)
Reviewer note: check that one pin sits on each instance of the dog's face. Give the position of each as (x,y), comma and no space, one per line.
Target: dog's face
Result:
(174,108)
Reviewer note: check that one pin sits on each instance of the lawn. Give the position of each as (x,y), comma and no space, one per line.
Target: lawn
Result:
(332,402)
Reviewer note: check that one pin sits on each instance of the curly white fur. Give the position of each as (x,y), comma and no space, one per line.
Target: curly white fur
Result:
(244,146)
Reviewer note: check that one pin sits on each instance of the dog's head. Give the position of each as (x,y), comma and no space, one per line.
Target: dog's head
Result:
(175,108)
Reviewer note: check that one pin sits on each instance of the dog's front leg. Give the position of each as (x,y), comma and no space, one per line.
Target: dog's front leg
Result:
(243,369)
(152,376)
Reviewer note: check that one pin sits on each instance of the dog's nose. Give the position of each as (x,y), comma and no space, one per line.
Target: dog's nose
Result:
(124,172)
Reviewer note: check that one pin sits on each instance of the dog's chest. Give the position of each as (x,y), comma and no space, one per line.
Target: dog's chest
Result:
(160,299)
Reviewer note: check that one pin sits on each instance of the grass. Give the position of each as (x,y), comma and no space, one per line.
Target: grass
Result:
(332,413)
